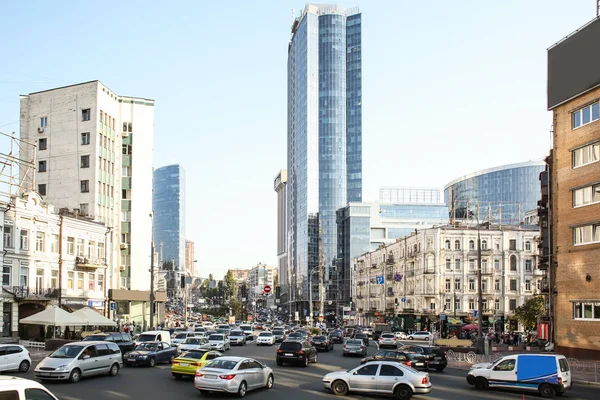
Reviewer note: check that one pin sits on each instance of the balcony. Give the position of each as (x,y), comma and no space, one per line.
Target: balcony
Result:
(390,260)
(429,271)
(24,292)
(360,297)
(87,263)
(373,295)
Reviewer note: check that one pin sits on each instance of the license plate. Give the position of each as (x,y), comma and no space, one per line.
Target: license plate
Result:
(131,359)
(289,355)
(184,365)
(438,358)
(42,374)
(210,376)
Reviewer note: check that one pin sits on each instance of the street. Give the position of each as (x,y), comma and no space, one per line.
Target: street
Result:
(290,382)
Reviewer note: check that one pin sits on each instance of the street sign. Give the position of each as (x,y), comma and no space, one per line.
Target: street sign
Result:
(320,318)
(379,280)
(442,316)
(475,313)
(113,305)
(404,299)
(267,289)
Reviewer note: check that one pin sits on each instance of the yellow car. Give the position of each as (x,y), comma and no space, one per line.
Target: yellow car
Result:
(188,363)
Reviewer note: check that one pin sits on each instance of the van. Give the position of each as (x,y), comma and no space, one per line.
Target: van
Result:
(13,388)
(547,374)
(154,336)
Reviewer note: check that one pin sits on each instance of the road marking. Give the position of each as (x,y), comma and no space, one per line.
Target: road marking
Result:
(376,344)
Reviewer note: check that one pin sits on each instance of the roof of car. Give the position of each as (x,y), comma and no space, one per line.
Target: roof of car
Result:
(13,381)
(88,343)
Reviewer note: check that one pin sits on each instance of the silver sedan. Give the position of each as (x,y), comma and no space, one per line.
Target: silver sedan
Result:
(379,377)
(233,375)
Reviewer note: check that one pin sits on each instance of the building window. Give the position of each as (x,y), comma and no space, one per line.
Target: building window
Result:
(42,189)
(457,263)
(586,155)
(43,144)
(40,241)
(24,276)
(484,285)
(472,264)
(91,281)
(585,115)
(71,246)
(528,265)
(86,114)
(85,161)
(457,284)
(527,246)
(100,283)
(471,245)
(528,285)
(447,244)
(80,247)
(43,122)
(85,138)
(42,166)
(85,186)
(70,278)
(456,245)
(54,279)
(24,239)
(513,285)
(497,304)
(8,242)
(84,209)
(80,281)
(586,195)
(471,304)
(512,304)
(6,272)
(512,244)
(497,285)
(101,250)
(588,310)
(497,265)
(513,263)
(484,265)
(484,245)
(448,285)
(456,303)
(55,244)
(484,304)
(127,127)
(448,261)
(448,303)
(471,284)
(91,249)
(586,234)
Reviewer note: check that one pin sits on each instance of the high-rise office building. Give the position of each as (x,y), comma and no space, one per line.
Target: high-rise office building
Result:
(190,258)
(282,257)
(168,203)
(324,137)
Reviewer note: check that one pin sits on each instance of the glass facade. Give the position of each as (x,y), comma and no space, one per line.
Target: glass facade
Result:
(500,195)
(324,133)
(168,204)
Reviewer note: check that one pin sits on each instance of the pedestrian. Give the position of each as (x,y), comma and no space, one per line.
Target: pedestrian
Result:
(126,329)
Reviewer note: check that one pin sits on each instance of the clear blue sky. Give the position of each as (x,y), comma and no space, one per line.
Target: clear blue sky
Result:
(449,88)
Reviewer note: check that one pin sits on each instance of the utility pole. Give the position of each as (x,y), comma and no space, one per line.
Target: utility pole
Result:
(310,296)
(152,273)
(480,293)
(321,270)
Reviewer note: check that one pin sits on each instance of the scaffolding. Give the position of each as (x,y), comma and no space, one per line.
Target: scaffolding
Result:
(17,166)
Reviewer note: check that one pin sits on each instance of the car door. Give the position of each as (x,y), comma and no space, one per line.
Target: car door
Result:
(38,394)
(169,351)
(160,353)
(388,377)
(504,373)
(104,357)
(3,358)
(89,365)
(14,355)
(364,378)
(247,374)
(257,373)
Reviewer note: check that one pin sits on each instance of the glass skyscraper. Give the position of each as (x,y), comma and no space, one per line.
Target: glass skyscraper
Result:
(168,204)
(324,135)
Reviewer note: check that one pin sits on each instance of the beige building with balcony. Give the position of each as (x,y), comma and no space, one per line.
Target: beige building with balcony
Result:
(433,273)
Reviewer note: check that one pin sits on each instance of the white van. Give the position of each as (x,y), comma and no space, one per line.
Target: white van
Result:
(547,374)
(13,388)
(154,336)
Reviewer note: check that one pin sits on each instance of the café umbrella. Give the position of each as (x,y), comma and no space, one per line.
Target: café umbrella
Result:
(93,318)
(54,316)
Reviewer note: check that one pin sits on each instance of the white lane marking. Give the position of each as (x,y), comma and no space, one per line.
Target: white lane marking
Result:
(376,344)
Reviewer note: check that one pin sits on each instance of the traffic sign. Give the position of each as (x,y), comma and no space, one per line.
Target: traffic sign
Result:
(379,280)
(320,318)
(267,289)
(474,313)
(113,305)
(404,299)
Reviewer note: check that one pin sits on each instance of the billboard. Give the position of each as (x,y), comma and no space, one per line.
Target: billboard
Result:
(574,64)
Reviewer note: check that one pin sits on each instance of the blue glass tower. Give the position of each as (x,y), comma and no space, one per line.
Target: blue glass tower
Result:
(324,135)
(168,204)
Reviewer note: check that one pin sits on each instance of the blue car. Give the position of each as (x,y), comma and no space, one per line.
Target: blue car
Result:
(150,354)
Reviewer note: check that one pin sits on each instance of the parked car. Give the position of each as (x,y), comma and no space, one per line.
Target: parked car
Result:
(279,335)
(150,354)
(388,339)
(435,357)
(296,352)
(75,360)
(265,338)
(233,375)
(154,336)
(414,360)
(548,374)
(14,358)
(237,337)
(420,335)
(379,377)
(400,335)
(362,336)
(187,363)
(123,340)
(180,337)
(354,347)
(322,342)
(193,343)
(219,342)
(13,388)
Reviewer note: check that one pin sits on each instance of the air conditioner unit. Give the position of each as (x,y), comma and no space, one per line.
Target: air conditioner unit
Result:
(40,130)
(124,246)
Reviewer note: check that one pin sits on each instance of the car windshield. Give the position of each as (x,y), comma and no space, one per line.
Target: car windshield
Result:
(246,327)
(237,333)
(277,331)
(295,334)
(216,337)
(221,364)
(290,346)
(388,336)
(360,335)
(266,334)
(93,338)
(146,338)
(181,336)
(67,351)
(192,341)
(146,346)
(196,355)
(319,338)
(354,342)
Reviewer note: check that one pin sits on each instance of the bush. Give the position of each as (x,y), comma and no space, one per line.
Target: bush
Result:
(315,331)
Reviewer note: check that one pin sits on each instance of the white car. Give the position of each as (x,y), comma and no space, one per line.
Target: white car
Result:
(23,389)
(180,337)
(265,338)
(193,343)
(420,335)
(401,336)
(220,342)
(14,358)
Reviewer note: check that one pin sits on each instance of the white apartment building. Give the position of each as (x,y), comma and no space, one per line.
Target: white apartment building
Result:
(259,277)
(433,273)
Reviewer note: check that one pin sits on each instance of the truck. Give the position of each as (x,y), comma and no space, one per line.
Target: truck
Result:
(378,328)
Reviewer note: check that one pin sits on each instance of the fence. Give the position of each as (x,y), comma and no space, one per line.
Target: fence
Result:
(32,345)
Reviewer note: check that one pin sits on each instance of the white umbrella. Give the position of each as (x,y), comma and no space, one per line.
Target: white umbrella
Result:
(53,316)
(93,318)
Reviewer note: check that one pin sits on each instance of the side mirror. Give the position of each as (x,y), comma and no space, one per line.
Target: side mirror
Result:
(85,357)
(355,373)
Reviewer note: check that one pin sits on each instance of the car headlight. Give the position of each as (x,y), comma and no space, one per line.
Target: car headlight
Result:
(143,357)
(61,368)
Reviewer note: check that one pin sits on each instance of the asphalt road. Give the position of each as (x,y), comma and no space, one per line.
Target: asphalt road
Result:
(290,382)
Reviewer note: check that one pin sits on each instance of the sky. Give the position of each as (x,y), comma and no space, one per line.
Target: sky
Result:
(449,88)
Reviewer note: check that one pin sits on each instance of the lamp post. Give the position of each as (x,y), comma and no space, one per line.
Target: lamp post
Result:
(480,342)
(152,270)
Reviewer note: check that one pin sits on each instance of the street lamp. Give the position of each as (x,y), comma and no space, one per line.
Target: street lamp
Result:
(152,270)
(480,342)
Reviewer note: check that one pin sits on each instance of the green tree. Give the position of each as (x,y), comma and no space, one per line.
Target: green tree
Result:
(276,280)
(528,313)
(230,285)
(236,308)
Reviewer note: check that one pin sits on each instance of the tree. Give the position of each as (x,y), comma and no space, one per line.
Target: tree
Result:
(276,280)
(528,313)
(236,308)
(230,284)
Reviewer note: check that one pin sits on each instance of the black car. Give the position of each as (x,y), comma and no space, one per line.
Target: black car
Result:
(150,354)
(436,357)
(321,342)
(121,339)
(337,337)
(296,352)
(414,360)
(363,337)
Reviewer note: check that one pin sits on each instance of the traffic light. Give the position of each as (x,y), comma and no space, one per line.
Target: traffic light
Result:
(396,301)
(277,292)
(182,281)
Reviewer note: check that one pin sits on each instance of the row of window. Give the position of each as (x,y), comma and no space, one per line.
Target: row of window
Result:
(84,163)
(586,195)
(84,187)
(484,264)
(587,311)
(512,304)
(512,283)
(75,280)
(586,234)
(512,245)
(73,247)
(43,142)
(585,115)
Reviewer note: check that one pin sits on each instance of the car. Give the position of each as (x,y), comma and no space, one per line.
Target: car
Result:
(13,388)
(321,342)
(234,375)
(414,360)
(297,336)
(337,337)
(279,335)
(435,356)
(150,354)
(247,329)
(265,338)
(387,339)
(154,336)
(420,335)
(401,335)
(296,352)
(121,339)
(14,358)
(354,347)
(363,336)
(187,363)
(193,343)
(237,337)
(379,377)
(180,337)
(219,341)
(75,360)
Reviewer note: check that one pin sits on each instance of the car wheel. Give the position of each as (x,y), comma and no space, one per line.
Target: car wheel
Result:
(270,381)
(339,388)
(114,370)
(177,376)
(204,392)
(242,389)
(439,369)
(24,366)
(75,376)
(315,359)
(403,392)
(280,363)
(410,338)
(547,391)
(305,362)
(171,360)
(481,383)
(152,362)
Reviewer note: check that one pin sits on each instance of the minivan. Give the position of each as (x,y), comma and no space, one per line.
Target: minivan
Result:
(13,388)
(547,374)
(154,336)
(75,360)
